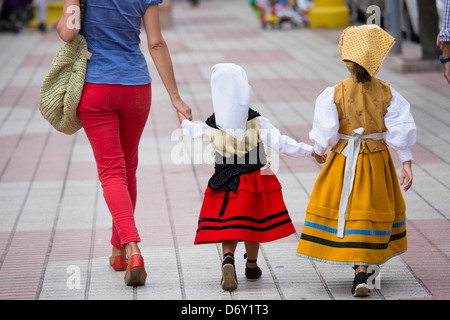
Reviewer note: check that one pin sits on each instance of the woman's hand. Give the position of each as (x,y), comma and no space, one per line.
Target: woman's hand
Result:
(183,109)
(406,176)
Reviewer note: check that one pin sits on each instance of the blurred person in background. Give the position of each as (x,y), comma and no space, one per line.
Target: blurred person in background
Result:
(194,3)
(15,14)
(41,6)
(443,41)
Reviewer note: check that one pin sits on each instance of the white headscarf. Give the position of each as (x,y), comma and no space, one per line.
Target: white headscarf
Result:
(231,98)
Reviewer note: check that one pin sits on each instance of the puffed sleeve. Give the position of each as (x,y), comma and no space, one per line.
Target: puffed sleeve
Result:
(193,129)
(401,129)
(325,131)
(283,144)
(149,2)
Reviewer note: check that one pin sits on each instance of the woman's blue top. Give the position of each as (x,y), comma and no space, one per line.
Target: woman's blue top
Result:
(112,29)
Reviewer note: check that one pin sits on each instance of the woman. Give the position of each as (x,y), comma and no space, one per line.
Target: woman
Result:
(115,105)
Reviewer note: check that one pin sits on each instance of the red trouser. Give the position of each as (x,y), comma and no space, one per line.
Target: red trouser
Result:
(113,117)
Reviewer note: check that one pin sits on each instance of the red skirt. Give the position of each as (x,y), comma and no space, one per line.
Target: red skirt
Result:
(256,212)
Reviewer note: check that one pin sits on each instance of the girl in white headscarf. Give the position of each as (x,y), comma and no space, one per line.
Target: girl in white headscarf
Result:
(243,200)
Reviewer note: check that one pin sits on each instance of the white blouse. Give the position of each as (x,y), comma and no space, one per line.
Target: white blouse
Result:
(269,134)
(401,129)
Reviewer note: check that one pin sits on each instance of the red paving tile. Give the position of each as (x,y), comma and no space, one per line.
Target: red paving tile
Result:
(71,245)
(297,165)
(206,19)
(225,34)
(10,95)
(434,81)
(428,255)
(55,159)
(25,158)
(295,90)
(310,88)
(188,73)
(7,145)
(37,60)
(29,98)
(436,231)
(21,271)
(173,45)
(256,56)
(421,156)
(160,213)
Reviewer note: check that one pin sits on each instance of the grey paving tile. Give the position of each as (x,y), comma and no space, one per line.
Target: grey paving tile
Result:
(44,211)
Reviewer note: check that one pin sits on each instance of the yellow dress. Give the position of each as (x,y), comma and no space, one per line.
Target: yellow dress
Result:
(375,227)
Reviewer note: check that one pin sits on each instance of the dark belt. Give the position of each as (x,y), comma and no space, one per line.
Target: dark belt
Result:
(228,171)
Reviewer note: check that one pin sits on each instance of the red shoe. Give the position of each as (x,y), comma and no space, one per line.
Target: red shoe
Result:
(119,263)
(135,275)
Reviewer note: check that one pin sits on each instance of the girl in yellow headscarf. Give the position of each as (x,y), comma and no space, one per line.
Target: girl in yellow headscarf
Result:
(356,214)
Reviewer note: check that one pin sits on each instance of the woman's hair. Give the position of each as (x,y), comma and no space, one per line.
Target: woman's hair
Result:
(361,74)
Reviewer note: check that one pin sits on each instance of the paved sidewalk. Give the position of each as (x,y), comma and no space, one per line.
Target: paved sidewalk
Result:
(55,226)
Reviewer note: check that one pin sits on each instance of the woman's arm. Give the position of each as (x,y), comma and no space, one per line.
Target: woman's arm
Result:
(161,57)
(68,28)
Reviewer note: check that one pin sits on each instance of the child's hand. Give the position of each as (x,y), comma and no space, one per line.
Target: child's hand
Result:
(319,158)
(180,117)
(406,175)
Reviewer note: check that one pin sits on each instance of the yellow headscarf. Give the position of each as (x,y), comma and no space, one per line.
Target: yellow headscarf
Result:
(366,45)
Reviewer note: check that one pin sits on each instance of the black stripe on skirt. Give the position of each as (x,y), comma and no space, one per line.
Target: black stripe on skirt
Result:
(360,245)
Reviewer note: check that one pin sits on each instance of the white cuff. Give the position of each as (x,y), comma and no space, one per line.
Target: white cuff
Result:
(319,150)
(405,155)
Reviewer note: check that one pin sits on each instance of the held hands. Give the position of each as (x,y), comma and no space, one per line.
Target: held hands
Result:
(180,117)
(182,108)
(319,158)
(406,175)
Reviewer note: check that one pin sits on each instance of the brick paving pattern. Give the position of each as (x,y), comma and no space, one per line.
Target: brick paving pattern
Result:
(54,224)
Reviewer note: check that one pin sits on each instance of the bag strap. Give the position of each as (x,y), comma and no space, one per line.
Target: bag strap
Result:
(83,4)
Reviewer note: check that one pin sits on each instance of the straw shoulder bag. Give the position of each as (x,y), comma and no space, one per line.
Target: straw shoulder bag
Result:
(61,90)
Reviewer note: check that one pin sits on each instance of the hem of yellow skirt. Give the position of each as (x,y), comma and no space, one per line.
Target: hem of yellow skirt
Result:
(355,215)
(350,263)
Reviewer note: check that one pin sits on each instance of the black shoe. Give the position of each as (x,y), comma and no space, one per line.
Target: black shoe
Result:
(252,273)
(229,280)
(360,288)
(42,27)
